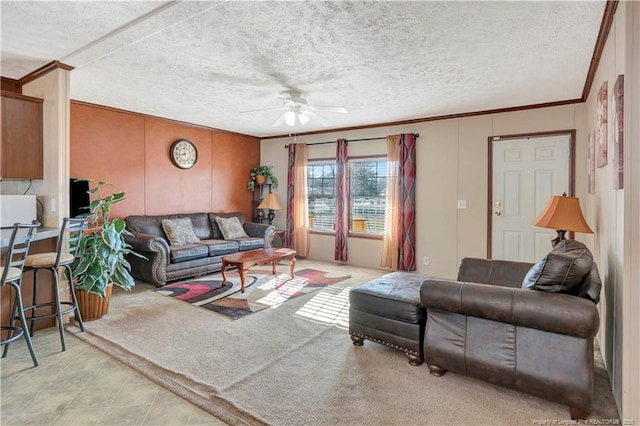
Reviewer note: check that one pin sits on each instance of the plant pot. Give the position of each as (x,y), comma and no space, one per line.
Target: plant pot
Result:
(261,179)
(92,306)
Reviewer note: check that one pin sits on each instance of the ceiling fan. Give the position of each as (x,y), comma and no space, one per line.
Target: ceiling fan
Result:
(297,110)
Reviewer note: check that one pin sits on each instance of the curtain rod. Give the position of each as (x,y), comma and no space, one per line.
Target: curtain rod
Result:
(417,135)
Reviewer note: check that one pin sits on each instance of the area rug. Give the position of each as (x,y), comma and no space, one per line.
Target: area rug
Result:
(262,290)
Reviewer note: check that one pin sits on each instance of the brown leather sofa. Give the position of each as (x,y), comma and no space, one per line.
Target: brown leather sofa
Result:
(165,262)
(486,326)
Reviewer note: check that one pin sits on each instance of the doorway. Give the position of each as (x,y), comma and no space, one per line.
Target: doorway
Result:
(524,172)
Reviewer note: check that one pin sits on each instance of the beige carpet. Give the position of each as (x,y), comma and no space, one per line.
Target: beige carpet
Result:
(295,364)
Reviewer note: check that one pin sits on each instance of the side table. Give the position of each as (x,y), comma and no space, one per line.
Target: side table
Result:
(280,233)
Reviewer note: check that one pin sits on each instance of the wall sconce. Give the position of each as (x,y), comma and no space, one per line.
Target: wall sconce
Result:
(563,214)
(271,203)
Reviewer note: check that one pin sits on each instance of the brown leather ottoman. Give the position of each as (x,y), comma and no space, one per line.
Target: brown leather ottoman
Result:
(387,310)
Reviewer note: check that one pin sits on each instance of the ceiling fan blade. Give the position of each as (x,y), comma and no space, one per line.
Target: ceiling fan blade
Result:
(280,119)
(320,119)
(261,109)
(341,110)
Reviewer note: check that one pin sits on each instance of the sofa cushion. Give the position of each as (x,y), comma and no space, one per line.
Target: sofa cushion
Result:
(216,234)
(562,270)
(591,286)
(200,223)
(179,231)
(188,252)
(151,225)
(231,228)
(220,247)
(249,243)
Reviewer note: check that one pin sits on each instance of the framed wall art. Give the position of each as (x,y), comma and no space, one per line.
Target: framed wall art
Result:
(617,102)
(591,162)
(601,125)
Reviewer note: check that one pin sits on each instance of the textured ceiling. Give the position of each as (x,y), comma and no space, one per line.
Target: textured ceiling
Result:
(208,62)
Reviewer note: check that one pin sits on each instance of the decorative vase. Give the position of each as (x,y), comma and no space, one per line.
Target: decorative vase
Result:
(92,306)
(261,179)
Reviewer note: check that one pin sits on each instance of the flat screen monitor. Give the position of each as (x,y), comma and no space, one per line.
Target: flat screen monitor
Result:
(78,198)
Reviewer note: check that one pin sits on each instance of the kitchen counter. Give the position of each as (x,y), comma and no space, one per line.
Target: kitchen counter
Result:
(40,233)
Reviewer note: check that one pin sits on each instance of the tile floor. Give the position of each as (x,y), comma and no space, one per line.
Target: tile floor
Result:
(84,386)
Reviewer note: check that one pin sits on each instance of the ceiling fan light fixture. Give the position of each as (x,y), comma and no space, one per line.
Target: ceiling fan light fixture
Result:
(304,119)
(290,118)
(298,112)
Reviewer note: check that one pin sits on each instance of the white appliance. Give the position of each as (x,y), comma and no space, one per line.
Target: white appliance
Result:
(17,209)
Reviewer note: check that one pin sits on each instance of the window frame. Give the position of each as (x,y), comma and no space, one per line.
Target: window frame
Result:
(321,161)
(359,158)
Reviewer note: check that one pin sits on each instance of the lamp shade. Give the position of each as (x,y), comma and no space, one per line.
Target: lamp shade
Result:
(270,202)
(563,213)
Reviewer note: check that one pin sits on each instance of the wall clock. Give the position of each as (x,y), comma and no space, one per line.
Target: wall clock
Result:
(183,154)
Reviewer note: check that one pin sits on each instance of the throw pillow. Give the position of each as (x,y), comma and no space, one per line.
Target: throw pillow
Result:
(562,270)
(179,231)
(231,228)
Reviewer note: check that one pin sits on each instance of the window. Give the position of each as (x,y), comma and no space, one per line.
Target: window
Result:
(321,182)
(367,191)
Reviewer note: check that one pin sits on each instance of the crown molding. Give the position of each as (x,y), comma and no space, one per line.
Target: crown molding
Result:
(11,85)
(139,114)
(435,118)
(51,66)
(605,27)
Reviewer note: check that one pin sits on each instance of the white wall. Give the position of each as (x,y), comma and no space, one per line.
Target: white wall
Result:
(452,165)
(617,212)
(631,271)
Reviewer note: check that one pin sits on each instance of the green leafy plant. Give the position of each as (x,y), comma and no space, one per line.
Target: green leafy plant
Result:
(266,171)
(100,258)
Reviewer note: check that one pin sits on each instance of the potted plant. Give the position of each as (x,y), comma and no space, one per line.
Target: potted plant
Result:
(259,175)
(100,258)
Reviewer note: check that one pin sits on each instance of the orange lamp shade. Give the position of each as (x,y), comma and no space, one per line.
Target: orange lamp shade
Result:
(563,213)
(270,202)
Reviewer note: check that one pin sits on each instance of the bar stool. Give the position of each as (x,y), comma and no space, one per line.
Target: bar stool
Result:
(11,274)
(68,241)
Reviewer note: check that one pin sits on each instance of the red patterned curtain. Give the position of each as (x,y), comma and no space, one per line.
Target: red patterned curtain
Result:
(407,206)
(290,194)
(342,201)
(297,200)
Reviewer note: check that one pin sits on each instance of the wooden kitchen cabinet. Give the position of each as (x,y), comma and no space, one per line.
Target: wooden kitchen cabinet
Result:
(21,145)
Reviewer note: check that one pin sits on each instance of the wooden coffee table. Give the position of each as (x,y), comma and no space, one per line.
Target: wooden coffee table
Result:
(246,259)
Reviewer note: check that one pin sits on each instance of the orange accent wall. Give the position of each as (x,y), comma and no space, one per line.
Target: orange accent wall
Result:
(108,145)
(228,149)
(131,151)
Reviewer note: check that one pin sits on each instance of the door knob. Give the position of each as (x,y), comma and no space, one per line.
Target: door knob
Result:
(498,203)
(497,213)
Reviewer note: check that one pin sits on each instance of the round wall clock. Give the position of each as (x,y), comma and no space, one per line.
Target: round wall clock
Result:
(183,154)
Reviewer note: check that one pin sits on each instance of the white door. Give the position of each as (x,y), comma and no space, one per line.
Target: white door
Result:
(526,172)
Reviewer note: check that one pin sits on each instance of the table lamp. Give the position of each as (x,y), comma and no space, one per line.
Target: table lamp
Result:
(563,214)
(270,202)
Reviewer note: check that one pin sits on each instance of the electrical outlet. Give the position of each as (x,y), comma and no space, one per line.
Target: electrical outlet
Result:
(462,204)
(52,205)
(425,260)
